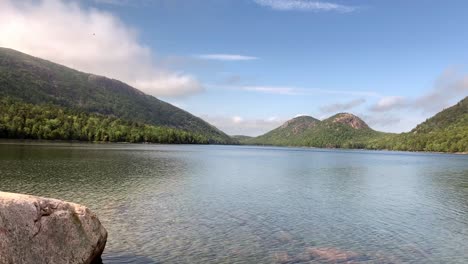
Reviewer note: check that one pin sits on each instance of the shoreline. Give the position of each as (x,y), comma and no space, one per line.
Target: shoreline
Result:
(389,150)
(11,141)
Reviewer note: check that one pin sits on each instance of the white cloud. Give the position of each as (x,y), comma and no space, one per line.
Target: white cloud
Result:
(272,90)
(89,40)
(225,57)
(340,107)
(237,125)
(237,119)
(388,102)
(386,122)
(272,119)
(449,88)
(285,90)
(304,5)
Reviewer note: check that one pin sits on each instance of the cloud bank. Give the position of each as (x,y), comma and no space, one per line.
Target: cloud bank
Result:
(304,5)
(89,40)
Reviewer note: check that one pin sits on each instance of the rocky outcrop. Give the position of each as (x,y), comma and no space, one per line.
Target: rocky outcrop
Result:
(350,120)
(41,230)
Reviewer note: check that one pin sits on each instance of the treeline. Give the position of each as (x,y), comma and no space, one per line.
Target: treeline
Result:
(20,120)
(322,135)
(451,139)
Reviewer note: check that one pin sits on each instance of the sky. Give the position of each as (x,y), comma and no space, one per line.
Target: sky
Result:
(247,66)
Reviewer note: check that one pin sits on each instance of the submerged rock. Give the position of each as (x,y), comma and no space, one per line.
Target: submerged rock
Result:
(334,255)
(41,230)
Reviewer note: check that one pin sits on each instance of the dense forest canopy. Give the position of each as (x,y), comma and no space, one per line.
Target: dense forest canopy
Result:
(20,120)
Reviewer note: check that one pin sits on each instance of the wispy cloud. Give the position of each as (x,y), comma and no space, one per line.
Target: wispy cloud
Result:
(388,102)
(340,107)
(225,57)
(132,3)
(272,90)
(385,121)
(93,41)
(112,2)
(450,87)
(286,90)
(304,5)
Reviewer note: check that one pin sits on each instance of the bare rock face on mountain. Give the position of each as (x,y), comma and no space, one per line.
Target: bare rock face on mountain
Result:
(40,230)
(350,120)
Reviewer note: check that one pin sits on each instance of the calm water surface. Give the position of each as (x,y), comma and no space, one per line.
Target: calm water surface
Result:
(228,204)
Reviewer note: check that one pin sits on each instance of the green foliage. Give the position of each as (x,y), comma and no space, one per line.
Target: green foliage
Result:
(447,131)
(38,81)
(27,121)
(240,137)
(310,132)
(445,118)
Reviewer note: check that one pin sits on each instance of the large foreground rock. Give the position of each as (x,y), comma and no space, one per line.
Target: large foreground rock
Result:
(40,230)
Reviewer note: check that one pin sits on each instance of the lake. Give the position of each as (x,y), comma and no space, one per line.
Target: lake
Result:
(237,204)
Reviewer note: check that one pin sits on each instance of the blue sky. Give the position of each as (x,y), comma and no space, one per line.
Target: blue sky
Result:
(248,65)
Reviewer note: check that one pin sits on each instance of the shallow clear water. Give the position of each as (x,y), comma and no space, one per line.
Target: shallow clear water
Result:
(230,204)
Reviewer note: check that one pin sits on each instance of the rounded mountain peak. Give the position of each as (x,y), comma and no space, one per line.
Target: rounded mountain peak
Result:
(350,120)
(300,124)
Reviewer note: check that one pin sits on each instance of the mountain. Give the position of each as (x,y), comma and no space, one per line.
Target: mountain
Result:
(447,131)
(340,130)
(348,120)
(36,81)
(288,132)
(452,116)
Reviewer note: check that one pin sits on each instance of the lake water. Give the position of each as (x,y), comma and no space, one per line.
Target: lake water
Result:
(234,204)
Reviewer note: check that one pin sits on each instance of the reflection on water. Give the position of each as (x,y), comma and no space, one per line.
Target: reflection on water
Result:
(215,204)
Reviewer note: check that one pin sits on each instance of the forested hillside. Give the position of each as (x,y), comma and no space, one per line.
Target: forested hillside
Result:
(339,131)
(447,131)
(20,120)
(36,81)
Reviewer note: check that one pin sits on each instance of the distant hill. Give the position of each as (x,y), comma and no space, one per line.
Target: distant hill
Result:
(286,133)
(37,81)
(342,130)
(452,116)
(446,131)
